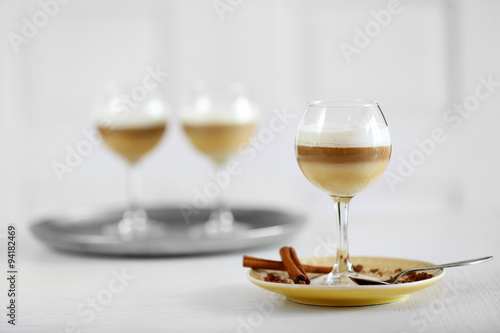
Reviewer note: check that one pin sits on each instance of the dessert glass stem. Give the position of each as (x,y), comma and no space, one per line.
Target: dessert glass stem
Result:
(342,266)
(132,188)
(134,218)
(221,219)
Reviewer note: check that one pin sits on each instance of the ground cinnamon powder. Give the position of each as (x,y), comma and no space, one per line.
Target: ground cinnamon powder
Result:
(410,277)
(357,268)
(275,278)
(414,276)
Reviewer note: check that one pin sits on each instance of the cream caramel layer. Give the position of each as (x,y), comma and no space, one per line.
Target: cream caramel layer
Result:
(343,171)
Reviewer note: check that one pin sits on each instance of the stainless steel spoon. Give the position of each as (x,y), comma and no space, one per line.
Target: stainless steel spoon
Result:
(372,281)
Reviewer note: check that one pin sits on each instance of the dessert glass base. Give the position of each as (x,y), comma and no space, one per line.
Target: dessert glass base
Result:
(337,279)
(220,224)
(136,226)
(216,230)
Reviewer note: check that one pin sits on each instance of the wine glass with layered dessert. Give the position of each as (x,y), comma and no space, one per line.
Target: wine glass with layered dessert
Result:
(342,147)
(131,131)
(219,124)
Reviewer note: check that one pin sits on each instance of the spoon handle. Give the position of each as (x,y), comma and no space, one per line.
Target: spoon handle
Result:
(457,263)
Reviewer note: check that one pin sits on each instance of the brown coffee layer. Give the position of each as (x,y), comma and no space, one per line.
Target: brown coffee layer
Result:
(343,154)
(219,141)
(132,142)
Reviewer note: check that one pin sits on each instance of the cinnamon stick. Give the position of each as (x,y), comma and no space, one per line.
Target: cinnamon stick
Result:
(293,266)
(297,263)
(258,263)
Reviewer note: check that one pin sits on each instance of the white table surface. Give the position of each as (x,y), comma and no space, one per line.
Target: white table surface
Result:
(212,293)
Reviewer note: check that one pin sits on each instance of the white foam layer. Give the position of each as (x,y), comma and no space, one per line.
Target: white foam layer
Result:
(344,137)
(117,113)
(217,118)
(131,121)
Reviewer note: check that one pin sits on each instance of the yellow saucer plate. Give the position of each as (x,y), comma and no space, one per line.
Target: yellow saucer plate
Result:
(349,295)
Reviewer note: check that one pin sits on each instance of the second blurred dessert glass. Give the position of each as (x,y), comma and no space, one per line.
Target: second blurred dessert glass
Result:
(218,125)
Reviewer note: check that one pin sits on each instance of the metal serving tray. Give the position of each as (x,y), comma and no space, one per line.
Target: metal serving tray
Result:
(83,232)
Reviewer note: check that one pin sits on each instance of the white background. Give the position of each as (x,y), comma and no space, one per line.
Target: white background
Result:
(426,59)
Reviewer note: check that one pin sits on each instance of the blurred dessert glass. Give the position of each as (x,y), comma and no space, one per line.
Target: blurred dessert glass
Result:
(131,129)
(218,125)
